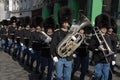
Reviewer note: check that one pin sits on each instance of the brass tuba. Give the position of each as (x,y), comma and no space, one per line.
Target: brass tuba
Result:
(74,38)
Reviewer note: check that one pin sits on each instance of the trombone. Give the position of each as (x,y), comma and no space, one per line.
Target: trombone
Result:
(102,40)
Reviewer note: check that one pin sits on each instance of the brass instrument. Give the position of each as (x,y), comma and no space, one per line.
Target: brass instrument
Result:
(102,40)
(73,39)
(47,38)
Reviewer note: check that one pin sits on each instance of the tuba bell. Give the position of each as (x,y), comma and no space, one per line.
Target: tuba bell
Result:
(74,38)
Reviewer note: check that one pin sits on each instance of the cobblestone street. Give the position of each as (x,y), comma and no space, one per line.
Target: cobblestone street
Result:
(13,70)
(10,69)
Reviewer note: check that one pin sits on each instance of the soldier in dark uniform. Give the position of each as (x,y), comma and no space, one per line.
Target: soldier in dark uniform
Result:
(32,28)
(82,54)
(4,35)
(49,25)
(11,31)
(26,41)
(32,57)
(18,40)
(114,38)
(100,50)
(63,65)
(37,39)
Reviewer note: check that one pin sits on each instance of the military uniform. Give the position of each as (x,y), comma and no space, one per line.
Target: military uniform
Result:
(11,33)
(37,38)
(26,42)
(4,35)
(49,25)
(63,65)
(17,42)
(82,59)
(102,63)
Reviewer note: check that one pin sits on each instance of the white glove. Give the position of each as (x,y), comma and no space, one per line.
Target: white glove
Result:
(30,49)
(101,47)
(117,45)
(115,55)
(47,40)
(21,44)
(74,55)
(55,59)
(113,62)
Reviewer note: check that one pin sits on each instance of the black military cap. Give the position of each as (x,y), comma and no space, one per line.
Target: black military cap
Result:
(65,14)
(27,21)
(39,21)
(5,22)
(49,22)
(13,19)
(102,20)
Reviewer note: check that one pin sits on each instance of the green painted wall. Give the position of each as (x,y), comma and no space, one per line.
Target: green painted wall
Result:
(56,9)
(118,28)
(45,12)
(118,21)
(89,8)
(118,5)
(74,4)
(96,9)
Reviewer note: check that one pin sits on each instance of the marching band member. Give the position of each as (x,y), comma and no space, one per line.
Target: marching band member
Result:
(26,41)
(4,35)
(37,39)
(100,50)
(49,25)
(63,65)
(11,31)
(82,52)
(115,41)
(18,40)
(32,58)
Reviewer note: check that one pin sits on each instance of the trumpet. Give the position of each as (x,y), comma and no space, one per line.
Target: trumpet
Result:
(102,40)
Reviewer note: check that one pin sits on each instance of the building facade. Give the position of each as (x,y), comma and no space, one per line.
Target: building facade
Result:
(45,8)
(20,8)
(4,13)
